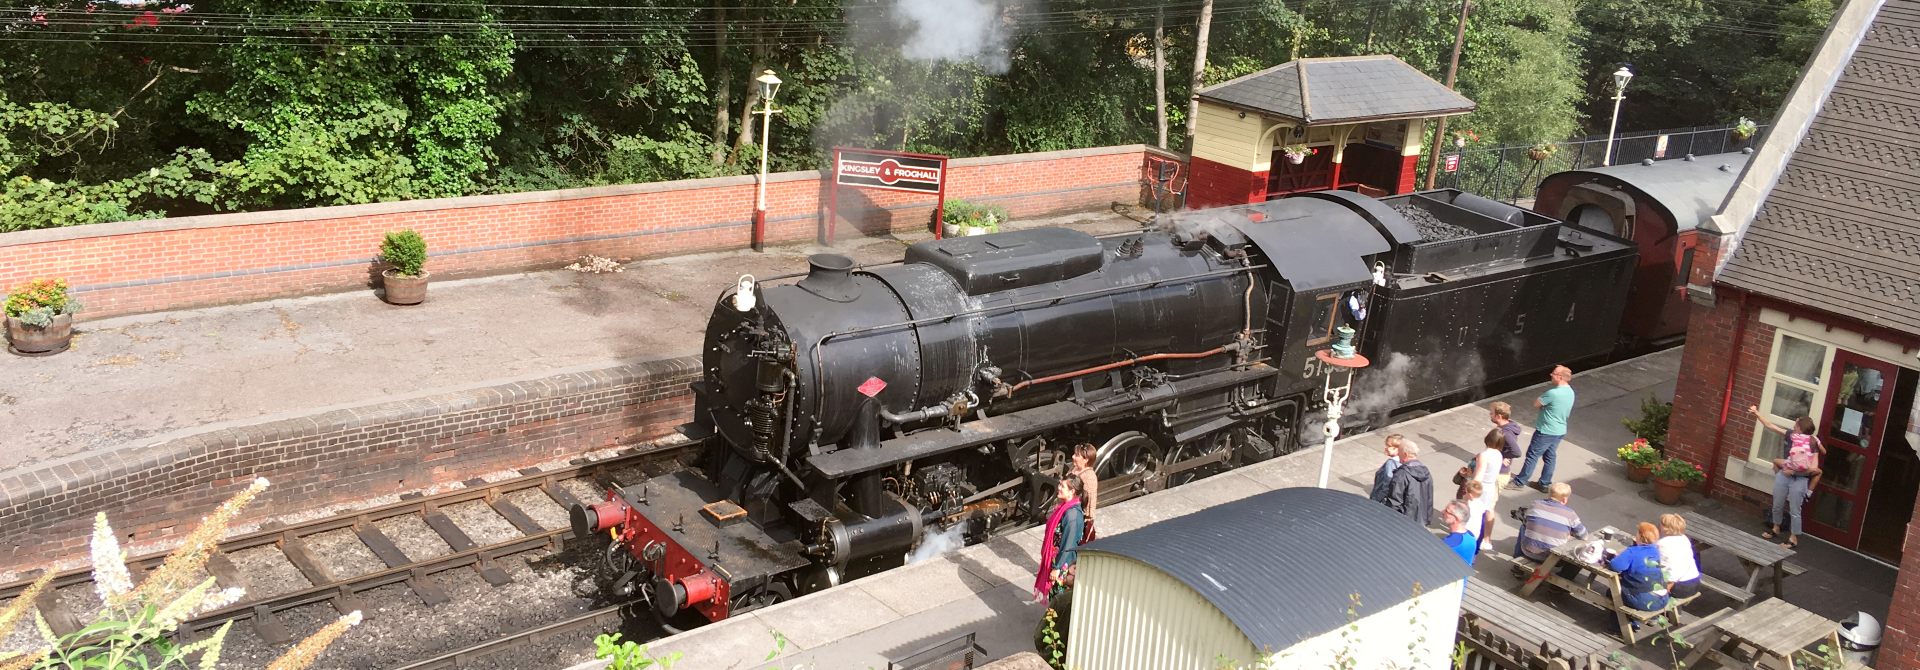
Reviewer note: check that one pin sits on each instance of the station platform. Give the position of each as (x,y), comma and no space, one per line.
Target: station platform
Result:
(985,589)
(134,381)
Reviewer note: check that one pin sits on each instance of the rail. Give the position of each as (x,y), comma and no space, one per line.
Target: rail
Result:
(399,569)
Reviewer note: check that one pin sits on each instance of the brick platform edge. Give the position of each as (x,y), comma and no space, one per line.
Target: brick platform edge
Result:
(145,266)
(339,456)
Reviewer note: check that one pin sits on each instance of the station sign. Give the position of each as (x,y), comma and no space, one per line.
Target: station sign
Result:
(888,170)
(1452,163)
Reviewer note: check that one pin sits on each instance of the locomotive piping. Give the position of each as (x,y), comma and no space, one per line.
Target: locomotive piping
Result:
(1117,364)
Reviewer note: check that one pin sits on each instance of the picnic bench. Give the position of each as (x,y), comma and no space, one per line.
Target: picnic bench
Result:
(1757,556)
(1583,587)
(1526,633)
(1770,632)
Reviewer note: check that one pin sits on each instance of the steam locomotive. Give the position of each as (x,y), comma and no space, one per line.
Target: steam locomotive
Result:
(843,416)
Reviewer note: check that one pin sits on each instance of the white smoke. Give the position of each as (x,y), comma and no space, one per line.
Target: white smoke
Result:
(955,31)
(1381,389)
(937,542)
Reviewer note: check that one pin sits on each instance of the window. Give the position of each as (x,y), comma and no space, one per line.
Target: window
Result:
(1320,328)
(1794,385)
(1686,268)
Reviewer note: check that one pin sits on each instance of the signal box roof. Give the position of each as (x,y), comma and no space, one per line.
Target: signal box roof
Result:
(1326,91)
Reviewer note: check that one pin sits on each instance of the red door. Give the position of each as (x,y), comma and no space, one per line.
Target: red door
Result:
(1855,415)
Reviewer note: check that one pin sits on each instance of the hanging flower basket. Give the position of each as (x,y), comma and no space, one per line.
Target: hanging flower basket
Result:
(1744,129)
(1297,153)
(1540,152)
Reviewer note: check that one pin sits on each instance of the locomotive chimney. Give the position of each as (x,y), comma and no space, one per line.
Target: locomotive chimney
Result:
(830,276)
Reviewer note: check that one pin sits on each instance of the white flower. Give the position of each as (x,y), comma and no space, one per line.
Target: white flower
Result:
(110,577)
(225,597)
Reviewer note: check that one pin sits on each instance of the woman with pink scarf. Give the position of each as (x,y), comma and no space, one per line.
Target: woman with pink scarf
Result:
(1062,540)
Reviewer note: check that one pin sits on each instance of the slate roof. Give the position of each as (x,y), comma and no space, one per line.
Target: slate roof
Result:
(1840,230)
(1691,189)
(1284,565)
(1340,90)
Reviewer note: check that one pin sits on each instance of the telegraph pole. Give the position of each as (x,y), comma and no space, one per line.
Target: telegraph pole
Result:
(1453,71)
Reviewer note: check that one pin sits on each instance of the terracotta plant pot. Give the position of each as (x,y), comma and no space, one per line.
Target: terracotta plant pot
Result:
(1539,155)
(29,340)
(404,290)
(1667,491)
(1639,473)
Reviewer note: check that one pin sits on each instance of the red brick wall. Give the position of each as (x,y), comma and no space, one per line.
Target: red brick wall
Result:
(1900,647)
(1211,184)
(339,456)
(143,266)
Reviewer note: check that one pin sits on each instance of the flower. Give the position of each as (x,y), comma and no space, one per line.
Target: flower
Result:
(197,548)
(308,650)
(110,576)
(23,601)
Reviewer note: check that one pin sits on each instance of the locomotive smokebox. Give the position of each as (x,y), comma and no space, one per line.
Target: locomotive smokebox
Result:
(830,276)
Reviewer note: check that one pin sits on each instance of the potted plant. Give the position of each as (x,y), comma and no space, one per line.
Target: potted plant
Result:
(962,218)
(1672,477)
(1297,153)
(1744,129)
(405,278)
(1540,152)
(40,318)
(1640,457)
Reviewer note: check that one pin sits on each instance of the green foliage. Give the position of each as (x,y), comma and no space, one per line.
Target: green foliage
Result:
(966,214)
(629,655)
(1676,470)
(38,301)
(1638,453)
(1052,642)
(406,252)
(1652,422)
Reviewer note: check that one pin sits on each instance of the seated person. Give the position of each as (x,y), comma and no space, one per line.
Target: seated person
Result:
(1676,553)
(1550,523)
(1643,583)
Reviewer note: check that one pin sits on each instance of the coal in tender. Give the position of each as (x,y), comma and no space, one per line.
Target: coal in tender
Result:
(1432,228)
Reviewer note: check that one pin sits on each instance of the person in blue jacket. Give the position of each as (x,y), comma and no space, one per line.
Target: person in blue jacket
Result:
(1643,583)
(1384,476)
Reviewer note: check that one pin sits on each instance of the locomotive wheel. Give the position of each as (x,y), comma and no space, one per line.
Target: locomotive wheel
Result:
(1218,441)
(774,593)
(1132,453)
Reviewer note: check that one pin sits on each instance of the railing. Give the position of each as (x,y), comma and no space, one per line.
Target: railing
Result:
(1511,174)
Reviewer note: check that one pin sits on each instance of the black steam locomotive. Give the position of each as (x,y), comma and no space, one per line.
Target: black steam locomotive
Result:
(845,415)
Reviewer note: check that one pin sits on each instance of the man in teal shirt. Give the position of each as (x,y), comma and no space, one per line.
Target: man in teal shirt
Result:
(1554,405)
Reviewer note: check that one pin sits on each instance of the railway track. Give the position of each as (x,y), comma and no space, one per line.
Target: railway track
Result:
(342,592)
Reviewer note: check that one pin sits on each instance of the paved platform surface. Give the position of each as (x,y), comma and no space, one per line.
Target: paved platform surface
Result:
(984,589)
(138,380)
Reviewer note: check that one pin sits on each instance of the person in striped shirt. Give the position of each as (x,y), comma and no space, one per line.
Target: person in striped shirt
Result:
(1549,523)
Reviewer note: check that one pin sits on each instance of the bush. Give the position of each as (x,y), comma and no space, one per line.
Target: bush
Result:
(1639,453)
(38,301)
(405,252)
(1652,424)
(974,215)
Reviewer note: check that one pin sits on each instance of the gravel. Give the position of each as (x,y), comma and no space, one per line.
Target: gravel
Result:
(267,572)
(414,537)
(542,509)
(481,523)
(342,555)
(1432,228)
(400,629)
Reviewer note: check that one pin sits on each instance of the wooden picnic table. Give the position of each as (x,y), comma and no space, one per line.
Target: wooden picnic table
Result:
(1756,555)
(1531,629)
(1773,629)
(1595,577)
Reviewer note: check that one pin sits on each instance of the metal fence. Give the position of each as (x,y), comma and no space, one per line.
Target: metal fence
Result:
(1511,173)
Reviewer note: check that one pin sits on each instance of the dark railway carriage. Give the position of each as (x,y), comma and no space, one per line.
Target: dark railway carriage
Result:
(848,414)
(1657,205)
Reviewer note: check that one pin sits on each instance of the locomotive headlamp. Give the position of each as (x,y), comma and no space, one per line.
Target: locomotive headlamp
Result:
(743,294)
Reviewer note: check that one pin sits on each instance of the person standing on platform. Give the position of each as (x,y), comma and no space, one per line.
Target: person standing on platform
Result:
(1555,406)
(1501,414)
(1083,458)
(1410,492)
(1486,474)
(1060,545)
(1458,518)
(1385,474)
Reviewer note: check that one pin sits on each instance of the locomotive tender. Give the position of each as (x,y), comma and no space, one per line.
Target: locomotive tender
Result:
(844,416)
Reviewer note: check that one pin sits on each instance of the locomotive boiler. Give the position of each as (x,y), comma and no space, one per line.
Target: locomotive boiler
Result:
(845,416)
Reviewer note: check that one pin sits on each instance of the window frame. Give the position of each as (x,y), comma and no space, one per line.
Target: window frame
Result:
(1815,408)
(1333,316)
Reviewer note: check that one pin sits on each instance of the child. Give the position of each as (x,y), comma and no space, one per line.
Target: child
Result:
(1804,450)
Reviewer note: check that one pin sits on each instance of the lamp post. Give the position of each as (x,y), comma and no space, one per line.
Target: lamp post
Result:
(1340,357)
(1620,79)
(769,85)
